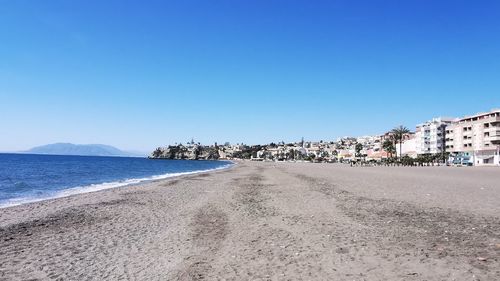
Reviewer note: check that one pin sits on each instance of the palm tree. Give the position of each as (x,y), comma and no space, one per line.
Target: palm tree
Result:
(399,133)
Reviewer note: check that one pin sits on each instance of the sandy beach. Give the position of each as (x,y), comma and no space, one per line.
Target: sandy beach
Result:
(266,221)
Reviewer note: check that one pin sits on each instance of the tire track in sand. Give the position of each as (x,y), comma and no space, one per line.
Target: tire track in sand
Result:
(250,196)
(425,233)
(209,229)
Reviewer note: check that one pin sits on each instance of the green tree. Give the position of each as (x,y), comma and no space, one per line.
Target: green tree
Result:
(157,153)
(358,148)
(399,133)
(388,146)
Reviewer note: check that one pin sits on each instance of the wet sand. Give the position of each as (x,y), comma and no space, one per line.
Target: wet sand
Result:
(266,221)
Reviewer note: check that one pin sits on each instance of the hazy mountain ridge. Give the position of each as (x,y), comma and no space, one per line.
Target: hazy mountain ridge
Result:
(80,149)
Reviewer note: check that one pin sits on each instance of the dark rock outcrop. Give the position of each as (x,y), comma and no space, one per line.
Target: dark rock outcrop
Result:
(192,152)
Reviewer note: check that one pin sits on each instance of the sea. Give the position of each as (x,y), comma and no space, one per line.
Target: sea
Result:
(28,178)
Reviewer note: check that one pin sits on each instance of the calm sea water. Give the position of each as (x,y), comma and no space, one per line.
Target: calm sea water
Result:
(28,178)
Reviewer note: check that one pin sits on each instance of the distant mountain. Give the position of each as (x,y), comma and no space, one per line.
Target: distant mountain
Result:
(80,149)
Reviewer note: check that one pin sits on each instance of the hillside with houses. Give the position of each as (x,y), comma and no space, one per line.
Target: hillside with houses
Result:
(470,140)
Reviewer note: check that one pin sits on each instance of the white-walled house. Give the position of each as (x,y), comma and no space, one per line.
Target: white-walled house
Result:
(409,148)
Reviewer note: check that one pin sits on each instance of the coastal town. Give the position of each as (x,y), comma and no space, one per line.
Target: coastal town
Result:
(466,141)
(250,140)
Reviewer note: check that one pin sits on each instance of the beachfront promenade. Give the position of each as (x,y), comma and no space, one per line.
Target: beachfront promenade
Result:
(266,221)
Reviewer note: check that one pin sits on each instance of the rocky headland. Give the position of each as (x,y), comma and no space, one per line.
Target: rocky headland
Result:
(189,152)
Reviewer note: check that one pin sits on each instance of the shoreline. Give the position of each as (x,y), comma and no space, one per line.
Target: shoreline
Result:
(260,221)
(73,191)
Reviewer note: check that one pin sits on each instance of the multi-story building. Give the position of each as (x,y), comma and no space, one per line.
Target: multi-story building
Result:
(430,137)
(408,147)
(476,138)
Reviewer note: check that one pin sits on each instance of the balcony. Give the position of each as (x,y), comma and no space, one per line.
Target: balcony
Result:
(495,139)
(491,129)
(494,119)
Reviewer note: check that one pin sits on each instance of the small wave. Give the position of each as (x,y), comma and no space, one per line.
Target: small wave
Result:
(101,186)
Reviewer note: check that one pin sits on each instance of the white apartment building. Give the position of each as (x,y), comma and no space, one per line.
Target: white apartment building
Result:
(408,148)
(476,137)
(430,136)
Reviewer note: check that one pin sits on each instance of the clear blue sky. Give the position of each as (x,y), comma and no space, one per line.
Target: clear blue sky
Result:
(139,74)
